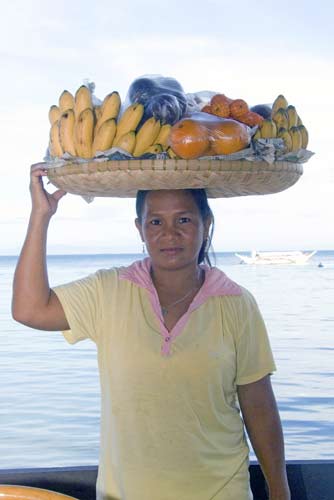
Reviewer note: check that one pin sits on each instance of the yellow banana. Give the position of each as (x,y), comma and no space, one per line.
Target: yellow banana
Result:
(268,129)
(171,154)
(299,121)
(54,144)
(97,112)
(146,135)
(304,134)
(83,133)
(292,116)
(83,100)
(109,108)
(54,114)
(105,135)
(130,119)
(279,102)
(284,134)
(163,136)
(154,149)
(281,119)
(66,132)
(66,101)
(127,142)
(296,137)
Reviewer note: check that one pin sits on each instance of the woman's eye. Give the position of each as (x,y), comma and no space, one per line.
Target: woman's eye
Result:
(184,220)
(155,222)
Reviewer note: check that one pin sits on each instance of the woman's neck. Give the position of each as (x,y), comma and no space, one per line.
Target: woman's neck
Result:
(180,281)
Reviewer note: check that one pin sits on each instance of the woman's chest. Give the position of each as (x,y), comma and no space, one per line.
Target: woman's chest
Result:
(202,354)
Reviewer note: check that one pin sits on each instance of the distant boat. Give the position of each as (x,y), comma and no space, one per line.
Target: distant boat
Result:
(296,257)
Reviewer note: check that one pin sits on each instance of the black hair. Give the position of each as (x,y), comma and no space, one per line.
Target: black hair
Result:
(201,200)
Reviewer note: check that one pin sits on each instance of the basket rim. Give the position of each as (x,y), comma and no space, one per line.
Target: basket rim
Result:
(94,166)
(220,178)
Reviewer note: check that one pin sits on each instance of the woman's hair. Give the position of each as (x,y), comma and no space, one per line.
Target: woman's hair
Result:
(201,200)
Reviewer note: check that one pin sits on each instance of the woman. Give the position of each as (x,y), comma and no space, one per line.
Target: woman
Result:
(178,345)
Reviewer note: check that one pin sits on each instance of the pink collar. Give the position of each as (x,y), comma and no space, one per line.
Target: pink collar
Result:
(216,284)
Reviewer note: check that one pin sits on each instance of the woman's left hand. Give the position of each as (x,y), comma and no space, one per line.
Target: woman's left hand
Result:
(283,494)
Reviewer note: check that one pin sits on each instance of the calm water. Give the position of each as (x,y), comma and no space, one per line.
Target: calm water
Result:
(49,397)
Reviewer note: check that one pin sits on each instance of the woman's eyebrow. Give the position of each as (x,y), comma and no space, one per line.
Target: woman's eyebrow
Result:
(162,212)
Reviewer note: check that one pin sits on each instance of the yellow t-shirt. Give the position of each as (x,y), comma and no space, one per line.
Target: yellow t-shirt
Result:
(170,424)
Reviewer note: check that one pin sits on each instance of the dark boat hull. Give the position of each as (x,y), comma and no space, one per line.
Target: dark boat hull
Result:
(309,480)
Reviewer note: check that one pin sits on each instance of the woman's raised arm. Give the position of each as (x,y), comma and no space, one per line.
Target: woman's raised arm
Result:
(33,303)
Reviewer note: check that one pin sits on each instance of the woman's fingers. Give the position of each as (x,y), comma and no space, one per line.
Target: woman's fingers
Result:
(58,194)
(36,173)
(38,166)
(43,202)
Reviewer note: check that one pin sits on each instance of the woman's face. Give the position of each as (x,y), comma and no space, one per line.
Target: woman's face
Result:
(172,228)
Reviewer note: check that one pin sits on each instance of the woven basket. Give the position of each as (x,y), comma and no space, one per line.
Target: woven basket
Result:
(220,178)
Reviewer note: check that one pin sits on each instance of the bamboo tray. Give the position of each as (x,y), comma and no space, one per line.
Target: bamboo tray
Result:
(220,178)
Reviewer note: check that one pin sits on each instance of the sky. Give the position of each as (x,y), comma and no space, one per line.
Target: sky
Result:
(252,50)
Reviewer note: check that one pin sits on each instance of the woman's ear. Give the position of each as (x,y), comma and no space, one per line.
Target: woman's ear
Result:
(138,226)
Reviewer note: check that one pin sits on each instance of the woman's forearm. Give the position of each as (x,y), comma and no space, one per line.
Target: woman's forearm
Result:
(264,429)
(31,289)
(268,444)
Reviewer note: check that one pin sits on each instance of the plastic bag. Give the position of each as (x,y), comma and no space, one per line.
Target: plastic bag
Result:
(197,100)
(202,134)
(162,97)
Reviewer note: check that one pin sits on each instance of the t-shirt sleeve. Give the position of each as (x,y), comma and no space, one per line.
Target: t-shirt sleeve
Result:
(254,356)
(82,304)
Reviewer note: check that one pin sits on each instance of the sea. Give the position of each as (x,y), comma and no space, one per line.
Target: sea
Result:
(49,390)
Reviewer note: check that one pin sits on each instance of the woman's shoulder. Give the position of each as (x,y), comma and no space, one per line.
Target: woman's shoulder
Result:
(245,298)
(137,272)
(230,292)
(219,283)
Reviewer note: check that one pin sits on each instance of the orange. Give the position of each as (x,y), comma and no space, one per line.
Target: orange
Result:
(238,107)
(228,136)
(189,139)
(220,105)
(218,98)
(207,109)
(251,118)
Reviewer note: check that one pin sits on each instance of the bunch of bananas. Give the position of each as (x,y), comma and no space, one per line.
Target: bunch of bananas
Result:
(82,129)
(285,124)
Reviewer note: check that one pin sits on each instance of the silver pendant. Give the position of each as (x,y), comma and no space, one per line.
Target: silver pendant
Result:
(164,311)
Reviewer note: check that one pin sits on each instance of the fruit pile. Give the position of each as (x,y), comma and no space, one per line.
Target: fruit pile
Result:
(155,118)
(80,128)
(238,109)
(285,123)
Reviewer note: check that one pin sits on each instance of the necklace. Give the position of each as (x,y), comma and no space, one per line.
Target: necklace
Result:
(165,309)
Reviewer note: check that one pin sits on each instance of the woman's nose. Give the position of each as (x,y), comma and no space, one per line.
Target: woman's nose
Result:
(171,229)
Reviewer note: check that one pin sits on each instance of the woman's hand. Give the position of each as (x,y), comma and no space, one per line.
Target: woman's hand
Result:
(43,203)
(282,495)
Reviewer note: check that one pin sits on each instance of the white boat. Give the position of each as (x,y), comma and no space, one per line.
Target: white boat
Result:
(294,257)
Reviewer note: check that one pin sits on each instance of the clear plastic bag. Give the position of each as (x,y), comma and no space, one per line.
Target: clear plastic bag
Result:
(162,97)
(202,134)
(197,100)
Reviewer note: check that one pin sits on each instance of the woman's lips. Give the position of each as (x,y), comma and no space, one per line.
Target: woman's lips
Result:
(171,251)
